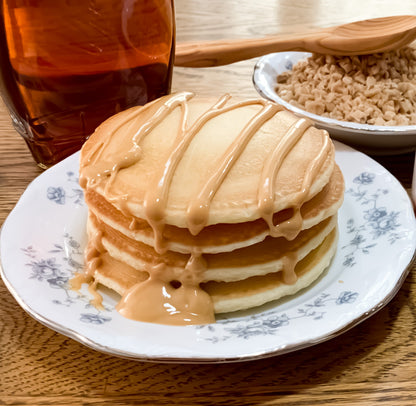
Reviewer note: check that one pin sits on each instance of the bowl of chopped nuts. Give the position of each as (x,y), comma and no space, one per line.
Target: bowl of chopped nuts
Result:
(367,101)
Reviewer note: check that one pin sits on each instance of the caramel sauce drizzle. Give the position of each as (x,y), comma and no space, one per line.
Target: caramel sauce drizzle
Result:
(174,296)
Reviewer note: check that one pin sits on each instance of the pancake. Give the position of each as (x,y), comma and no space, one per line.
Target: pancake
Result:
(258,290)
(270,255)
(220,237)
(141,157)
(200,206)
(234,296)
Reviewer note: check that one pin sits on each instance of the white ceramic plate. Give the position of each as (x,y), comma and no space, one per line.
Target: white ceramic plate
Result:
(370,138)
(41,247)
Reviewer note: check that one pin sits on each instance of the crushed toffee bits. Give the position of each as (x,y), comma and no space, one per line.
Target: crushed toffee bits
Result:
(378,89)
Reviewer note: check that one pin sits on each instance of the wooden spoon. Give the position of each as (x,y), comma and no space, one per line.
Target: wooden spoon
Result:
(357,38)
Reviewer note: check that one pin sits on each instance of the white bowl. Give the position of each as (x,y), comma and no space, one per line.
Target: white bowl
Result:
(372,139)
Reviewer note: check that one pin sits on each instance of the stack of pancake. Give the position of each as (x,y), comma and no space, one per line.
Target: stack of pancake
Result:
(199,206)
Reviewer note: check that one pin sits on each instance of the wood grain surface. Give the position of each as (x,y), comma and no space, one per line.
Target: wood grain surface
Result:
(373,363)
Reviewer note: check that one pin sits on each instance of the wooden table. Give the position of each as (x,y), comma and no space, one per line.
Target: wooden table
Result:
(373,362)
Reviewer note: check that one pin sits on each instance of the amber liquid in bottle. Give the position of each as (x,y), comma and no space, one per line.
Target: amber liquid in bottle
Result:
(67,65)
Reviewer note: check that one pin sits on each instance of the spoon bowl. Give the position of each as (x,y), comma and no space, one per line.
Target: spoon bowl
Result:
(356,38)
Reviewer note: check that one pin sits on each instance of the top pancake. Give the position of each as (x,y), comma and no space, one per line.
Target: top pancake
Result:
(132,153)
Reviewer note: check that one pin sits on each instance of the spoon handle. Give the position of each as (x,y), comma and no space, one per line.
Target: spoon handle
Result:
(360,37)
(223,52)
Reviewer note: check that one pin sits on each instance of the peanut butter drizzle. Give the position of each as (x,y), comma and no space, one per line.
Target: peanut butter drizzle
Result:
(155,199)
(95,173)
(93,260)
(97,300)
(170,296)
(198,208)
(79,279)
(289,276)
(266,194)
(183,301)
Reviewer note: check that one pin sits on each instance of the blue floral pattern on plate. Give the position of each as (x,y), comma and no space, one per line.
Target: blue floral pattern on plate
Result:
(376,224)
(56,270)
(269,323)
(377,221)
(60,194)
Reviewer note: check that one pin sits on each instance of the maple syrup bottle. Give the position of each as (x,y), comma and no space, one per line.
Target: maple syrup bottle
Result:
(67,65)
